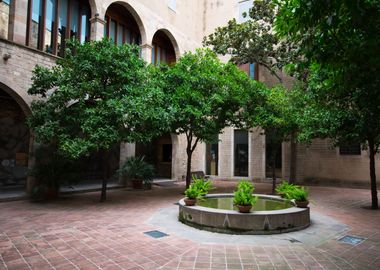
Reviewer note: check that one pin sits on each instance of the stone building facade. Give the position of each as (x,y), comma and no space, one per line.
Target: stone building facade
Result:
(33,31)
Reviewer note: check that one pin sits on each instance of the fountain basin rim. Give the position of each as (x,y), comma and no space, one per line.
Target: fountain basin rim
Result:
(292,209)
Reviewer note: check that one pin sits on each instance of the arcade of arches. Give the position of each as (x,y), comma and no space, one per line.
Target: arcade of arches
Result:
(48,24)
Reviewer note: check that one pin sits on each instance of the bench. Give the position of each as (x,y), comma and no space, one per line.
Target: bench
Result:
(199,174)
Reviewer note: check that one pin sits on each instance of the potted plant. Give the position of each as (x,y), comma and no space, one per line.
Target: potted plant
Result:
(140,172)
(192,193)
(202,185)
(243,196)
(300,196)
(284,188)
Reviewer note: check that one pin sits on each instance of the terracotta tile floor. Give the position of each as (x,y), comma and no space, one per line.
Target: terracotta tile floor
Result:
(77,232)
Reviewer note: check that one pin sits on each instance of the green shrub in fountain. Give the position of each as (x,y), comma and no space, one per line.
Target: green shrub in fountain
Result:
(284,188)
(243,196)
(299,195)
(192,194)
(202,185)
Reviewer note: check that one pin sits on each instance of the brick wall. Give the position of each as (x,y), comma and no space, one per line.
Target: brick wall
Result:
(16,72)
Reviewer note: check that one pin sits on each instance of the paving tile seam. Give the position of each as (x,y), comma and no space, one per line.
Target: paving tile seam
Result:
(151,261)
(29,266)
(179,257)
(3,262)
(40,252)
(328,256)
(88,259)
(73,248)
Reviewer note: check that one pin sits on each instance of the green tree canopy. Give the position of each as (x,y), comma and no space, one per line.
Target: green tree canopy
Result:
(97,96)
(254,41)
(205,97)
(278,111)
(340,44)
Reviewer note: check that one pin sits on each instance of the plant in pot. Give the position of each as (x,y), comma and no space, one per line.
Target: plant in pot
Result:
(284,188)
(300,196)
(202,185)
(243,196)
(139,171)
(192,194)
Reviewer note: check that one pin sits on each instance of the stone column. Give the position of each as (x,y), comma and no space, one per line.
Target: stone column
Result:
(17,21)
(302,151)
(286,155)
(146,52)
(97,27)
(226,153)
(257,156)
(127,150)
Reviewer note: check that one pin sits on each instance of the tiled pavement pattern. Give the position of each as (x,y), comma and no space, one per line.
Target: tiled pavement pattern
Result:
(77,232)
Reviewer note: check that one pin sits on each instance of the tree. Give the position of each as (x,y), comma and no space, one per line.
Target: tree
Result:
(277,111)
(255,41)
(340,44)
(97,96)
(205,96)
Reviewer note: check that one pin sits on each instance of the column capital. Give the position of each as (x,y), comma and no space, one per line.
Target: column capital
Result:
(96,19)
(146,46)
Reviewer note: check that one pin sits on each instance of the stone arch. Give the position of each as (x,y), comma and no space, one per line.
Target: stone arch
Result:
(135,16)
(172,40)
(93,7)
(17,139)
(23,102)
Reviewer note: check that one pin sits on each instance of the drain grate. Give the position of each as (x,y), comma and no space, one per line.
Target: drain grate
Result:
(352,240)
(156,234)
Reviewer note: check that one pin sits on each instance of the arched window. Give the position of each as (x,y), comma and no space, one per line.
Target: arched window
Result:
(51,22)
(5,12)
(120,26)
(162,49)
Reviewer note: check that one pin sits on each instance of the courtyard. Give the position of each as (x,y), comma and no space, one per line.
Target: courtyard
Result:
(77,232)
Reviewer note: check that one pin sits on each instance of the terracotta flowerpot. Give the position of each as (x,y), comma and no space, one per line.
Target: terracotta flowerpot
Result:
(190,202)
(244,208)
(137,184)
(302,204)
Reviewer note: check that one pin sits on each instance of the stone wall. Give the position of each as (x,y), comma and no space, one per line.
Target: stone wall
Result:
(185,26)
(16,72)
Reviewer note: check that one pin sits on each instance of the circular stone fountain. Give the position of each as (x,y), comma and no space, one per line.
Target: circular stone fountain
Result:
(270,215)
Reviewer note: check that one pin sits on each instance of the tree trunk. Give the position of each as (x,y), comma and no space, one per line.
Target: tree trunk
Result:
(293,160)
(372,172)
(103,195)
(274,154)
(188,166)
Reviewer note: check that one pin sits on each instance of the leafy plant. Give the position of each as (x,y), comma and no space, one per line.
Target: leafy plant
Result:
(192,192)
(298,194)
(96,97)
(339,44)
(202,185)
(137,168)
(205,96)
(285,187)
(244,194)
(52,170)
